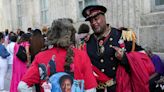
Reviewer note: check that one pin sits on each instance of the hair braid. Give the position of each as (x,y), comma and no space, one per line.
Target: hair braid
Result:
(68,60)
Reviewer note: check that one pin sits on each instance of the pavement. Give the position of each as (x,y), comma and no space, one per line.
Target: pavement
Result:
(7,82)
(4,91)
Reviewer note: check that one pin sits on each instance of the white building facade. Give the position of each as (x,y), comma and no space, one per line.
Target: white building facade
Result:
(37,13)
(146,17)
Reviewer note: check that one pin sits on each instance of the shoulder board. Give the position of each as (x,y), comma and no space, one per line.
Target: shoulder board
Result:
(123,28)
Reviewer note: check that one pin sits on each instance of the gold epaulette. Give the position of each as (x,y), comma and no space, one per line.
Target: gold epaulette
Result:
(129,35)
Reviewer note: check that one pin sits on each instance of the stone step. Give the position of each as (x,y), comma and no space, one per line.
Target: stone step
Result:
(152,36)
(155,18)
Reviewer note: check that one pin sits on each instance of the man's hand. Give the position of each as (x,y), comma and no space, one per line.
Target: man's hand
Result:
(119,52)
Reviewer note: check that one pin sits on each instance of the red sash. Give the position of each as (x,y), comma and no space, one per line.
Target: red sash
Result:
(141,68)
(101,77)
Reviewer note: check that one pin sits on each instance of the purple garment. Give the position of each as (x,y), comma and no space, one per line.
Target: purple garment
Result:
(159,65)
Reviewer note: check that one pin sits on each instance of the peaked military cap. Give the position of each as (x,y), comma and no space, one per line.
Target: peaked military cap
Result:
(93,10)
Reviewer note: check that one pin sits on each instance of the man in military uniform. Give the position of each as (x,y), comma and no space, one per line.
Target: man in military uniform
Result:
(109,49)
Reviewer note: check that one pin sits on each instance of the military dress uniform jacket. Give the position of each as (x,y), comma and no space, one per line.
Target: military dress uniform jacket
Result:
(107,62)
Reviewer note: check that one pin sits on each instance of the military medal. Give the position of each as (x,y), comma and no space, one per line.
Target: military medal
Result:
(101,47)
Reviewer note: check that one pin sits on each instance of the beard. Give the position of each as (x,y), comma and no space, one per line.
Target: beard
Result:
(99,30)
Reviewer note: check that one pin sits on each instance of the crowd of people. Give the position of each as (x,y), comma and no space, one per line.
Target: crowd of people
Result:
(13,68)
(57,59)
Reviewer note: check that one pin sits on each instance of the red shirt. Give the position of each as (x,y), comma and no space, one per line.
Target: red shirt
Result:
(82,66)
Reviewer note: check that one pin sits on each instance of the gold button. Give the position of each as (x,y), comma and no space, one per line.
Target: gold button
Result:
(114,68)
(111,58)
(110,39)
(101,60)
(110,45)
(102,70)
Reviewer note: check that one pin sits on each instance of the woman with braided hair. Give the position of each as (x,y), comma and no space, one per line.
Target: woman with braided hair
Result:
(67,58)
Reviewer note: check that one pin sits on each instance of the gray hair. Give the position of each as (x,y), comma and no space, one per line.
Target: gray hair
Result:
(59,28)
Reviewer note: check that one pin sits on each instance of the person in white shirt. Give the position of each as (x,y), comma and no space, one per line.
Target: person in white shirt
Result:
(10,49)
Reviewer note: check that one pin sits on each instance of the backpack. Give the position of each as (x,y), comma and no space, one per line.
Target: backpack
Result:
(57,78)
(21,54)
